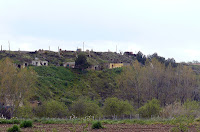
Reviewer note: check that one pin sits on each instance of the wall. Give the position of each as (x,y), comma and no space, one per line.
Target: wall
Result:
(115,65)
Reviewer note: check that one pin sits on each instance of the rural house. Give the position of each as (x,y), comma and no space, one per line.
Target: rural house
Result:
(38,62)
(69,64)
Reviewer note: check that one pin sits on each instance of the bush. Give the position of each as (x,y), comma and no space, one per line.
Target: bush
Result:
(125,108)
(111,106)
(52,109)
(78,107)
(192,108)
(114,106)
(25,111)
(172,110)
(97,125)
(82,107)
(15,128)
(26,124)
(151,108)
(180,128)
(189,108)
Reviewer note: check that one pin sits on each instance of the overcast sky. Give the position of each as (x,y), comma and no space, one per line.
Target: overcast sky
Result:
(169,27)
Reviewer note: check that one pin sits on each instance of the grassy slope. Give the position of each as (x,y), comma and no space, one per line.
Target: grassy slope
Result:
(67,85)
(53,81)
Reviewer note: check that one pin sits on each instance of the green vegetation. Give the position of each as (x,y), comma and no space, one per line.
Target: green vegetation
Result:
(97,125)
(82,107)
(26,123)
(81,62)
(16,85)
(150,90)
(151,108)
(11,121)
(15,128)
(114,106)
(52,109)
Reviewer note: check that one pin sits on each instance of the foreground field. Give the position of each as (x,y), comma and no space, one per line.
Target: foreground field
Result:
(108,128)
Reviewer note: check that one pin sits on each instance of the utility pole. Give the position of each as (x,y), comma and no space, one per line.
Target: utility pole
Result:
(116,48)
(1,48)
(49,48)
(9,46)
(83,46)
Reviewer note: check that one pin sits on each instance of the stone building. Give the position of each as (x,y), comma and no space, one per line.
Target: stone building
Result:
(38,62)
(69,64)
(115,65)
(95,67)
(23,65)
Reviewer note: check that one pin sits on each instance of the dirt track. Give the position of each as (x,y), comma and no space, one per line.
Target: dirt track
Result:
(108,128)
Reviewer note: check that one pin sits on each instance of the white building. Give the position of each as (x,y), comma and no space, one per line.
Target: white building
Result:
(38,62)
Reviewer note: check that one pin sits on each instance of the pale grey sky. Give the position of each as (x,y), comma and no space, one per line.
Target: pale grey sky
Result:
(169,27)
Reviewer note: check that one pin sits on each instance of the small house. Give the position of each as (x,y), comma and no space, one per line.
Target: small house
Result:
(115,65)
(38,62)
(95,67)
(69,64)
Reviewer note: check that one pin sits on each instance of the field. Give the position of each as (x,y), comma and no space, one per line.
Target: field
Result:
(180,124)
(107,128)
(79,128)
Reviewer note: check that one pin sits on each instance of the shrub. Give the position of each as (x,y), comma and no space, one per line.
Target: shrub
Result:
(151,108)
(15,128)
(97,125)
(189,108)
(79,107)
(125,108)
(114,106)
(111,106)
(25,111)
(26,124)
(180,128)
(15,121)
(192,108)
(51,109)
(82,107)
(172,110)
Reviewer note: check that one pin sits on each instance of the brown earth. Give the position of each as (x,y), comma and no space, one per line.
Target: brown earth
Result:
(108,128)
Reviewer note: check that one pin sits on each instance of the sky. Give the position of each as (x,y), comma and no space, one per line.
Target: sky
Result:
(170,28)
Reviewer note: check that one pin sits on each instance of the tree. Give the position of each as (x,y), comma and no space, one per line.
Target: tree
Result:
(83,107)
(114,106)
(111,106)
(78,108)
(125,108)
(52,109)
(16,84)
(81,62)
(131,82)
(140,57)
(151,108)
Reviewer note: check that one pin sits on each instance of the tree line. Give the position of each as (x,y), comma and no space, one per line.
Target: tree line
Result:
(168,84)
(112,92)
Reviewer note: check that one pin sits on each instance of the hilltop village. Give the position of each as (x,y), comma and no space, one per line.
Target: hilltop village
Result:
(97,60)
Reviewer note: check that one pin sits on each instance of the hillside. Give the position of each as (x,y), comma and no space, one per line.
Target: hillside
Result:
(57,59)
(66,85)
(56,91)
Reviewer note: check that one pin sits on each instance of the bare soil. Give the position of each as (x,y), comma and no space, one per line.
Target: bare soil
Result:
(108,128)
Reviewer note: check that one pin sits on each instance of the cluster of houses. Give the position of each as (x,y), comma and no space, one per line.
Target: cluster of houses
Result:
(38,62)
(113,64)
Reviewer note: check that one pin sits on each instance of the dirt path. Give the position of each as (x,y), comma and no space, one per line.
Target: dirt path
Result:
(108,128)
